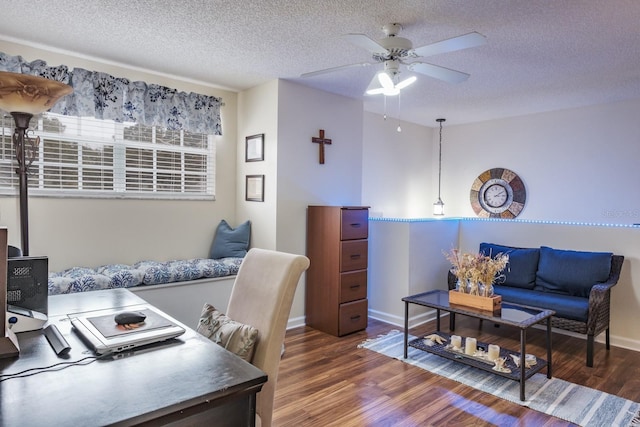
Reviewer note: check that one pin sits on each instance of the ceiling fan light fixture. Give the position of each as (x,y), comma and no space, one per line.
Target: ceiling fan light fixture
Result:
(385,80)
(406,82)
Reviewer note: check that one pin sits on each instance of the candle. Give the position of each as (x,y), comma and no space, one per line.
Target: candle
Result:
(494,352)
(456,341)
(469,346)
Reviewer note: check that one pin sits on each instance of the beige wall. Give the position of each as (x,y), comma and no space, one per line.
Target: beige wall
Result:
(92,232)
(258,113)
(290,115)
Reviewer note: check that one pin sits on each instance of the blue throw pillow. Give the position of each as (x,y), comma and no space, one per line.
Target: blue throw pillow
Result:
(522,267)
(571,272)
(231,242)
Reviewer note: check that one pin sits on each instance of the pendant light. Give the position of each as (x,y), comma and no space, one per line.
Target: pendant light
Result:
(438,206)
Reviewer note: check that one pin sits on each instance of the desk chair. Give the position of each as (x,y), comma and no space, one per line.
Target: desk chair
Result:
(262,295)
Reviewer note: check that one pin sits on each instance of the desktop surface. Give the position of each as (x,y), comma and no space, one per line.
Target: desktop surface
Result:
(188,376)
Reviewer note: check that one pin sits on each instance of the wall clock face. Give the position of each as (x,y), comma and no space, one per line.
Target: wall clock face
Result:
(498,193)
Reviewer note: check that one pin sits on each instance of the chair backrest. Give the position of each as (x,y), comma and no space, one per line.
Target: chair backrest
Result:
(262,295)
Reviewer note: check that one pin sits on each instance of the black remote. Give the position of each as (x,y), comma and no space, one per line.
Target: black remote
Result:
(57,341)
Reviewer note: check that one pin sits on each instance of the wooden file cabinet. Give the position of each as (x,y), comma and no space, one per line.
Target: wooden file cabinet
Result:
(337,246)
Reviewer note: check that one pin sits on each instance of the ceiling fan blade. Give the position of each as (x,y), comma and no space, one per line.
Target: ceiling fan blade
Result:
(364,42)
(451,45)
(331,70)
(435,71)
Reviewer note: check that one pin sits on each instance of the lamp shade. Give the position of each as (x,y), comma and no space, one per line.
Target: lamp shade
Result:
(24,93)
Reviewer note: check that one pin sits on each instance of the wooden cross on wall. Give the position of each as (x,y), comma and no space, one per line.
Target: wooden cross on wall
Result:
(322,141)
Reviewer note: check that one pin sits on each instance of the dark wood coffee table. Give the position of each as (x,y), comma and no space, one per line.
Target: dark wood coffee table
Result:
(519,316)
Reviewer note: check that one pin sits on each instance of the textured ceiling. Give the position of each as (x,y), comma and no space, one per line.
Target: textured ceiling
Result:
(540,55)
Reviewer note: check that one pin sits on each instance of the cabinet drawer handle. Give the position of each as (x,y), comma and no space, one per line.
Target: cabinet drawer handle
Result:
(355,224)
(355,256)
(354,286)
(356,317)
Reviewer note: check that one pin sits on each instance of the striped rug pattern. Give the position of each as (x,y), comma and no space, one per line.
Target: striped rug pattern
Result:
(571,402)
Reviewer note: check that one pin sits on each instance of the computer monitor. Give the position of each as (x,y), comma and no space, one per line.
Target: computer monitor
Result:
(27,282)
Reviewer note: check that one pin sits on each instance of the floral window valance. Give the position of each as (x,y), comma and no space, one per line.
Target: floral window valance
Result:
(103,96)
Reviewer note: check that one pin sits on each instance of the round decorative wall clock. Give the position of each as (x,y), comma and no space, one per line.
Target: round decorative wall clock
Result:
(498,193)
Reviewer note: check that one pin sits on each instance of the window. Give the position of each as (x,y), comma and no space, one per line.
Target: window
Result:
(88,157)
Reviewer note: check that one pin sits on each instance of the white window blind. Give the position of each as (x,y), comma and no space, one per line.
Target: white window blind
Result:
(88,157)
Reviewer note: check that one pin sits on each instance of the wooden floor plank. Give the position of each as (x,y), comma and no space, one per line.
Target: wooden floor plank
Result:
(328,381)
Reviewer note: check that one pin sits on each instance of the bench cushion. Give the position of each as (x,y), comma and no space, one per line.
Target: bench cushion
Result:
(565,306)
(81,279)
(521,269)
(571,272)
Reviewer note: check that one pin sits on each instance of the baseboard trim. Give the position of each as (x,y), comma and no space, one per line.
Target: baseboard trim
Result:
(417,320)
(296,322)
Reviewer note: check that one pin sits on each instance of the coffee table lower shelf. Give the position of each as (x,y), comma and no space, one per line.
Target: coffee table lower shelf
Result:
(440,350)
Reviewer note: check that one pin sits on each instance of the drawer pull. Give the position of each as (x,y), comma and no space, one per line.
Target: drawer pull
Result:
(356,225)
(354,286)
(356,317)
(355,256)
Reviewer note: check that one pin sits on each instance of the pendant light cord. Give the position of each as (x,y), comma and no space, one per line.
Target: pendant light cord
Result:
(440,158)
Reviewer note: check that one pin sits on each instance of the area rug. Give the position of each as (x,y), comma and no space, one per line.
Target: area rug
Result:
(571,402)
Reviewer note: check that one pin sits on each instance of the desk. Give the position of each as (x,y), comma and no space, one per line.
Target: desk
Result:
(187,380)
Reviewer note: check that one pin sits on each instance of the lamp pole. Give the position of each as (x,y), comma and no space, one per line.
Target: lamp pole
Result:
(24,161)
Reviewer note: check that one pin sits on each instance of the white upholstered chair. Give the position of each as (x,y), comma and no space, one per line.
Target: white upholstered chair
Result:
(262,295)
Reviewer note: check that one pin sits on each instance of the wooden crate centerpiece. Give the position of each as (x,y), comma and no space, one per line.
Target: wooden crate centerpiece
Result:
(492,304)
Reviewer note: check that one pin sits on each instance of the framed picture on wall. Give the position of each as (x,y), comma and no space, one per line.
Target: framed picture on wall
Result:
(254,188)
(254,148)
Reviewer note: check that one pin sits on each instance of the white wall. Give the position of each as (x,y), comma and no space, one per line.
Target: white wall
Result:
(290,115)
(93,232)
(397,171)
(258,113)
(405,258)
(302,181)
(577,165)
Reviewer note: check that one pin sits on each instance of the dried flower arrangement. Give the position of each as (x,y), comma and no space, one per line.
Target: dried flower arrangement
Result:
(476,273)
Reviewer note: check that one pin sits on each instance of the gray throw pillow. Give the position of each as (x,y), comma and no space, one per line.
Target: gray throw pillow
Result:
(238,338)
(231,242)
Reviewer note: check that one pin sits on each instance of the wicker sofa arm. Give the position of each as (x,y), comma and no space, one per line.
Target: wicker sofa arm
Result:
(599,289)
(600,298)
(451,280)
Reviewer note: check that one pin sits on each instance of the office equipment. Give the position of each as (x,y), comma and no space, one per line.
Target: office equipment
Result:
(8,341)
(100,331)
(57,341)
(186,381)
(22,319)
(27,282)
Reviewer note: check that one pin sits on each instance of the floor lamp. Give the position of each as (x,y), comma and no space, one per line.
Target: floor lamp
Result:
(22,96)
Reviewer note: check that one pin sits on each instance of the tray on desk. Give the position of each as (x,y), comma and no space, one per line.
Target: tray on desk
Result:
(443,351)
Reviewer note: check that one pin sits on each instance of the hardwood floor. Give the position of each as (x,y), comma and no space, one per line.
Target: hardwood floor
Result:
(328,381)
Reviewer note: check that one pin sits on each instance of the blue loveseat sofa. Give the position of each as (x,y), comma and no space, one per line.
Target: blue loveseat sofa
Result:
(575,284)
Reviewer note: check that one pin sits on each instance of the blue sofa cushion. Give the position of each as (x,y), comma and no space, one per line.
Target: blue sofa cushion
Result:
(521,269)
(230,242)
(571,272)
(565,306)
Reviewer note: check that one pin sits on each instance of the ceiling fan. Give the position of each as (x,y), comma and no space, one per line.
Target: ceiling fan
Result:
(394,51)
